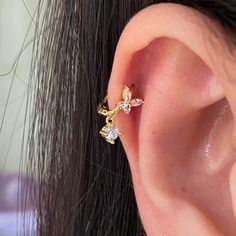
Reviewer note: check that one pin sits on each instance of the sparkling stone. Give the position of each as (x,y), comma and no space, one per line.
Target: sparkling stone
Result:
(136,102)
(127,94)
(125,106)
(112,133)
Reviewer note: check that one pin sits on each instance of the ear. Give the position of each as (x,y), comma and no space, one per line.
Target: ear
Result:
(180,142)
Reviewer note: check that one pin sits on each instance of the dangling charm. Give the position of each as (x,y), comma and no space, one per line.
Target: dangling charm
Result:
(110,132)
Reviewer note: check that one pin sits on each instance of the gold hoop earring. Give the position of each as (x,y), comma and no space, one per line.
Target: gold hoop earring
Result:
(110,132)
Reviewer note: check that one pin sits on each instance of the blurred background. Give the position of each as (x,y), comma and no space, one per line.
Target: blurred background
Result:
(17,34)
(16,37)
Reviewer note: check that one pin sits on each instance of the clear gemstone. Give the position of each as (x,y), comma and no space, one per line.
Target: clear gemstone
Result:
(136,102)
(112,133)
(127,94)
(125,106)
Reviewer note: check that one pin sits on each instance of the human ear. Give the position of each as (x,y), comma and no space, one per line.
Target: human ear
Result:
(180,142)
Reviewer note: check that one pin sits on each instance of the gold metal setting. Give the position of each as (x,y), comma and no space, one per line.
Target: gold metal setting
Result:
(110,132)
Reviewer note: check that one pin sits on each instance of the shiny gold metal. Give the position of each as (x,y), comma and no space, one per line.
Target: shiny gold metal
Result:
(110,132)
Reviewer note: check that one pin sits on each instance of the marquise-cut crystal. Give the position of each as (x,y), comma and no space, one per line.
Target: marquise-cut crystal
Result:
(136,102)
(127,94)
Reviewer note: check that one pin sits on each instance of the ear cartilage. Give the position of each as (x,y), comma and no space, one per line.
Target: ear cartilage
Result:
(110,132)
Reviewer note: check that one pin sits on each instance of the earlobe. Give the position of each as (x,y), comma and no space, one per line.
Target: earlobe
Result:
(179,144)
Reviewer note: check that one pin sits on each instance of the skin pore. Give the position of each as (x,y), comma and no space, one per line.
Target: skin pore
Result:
(181,144)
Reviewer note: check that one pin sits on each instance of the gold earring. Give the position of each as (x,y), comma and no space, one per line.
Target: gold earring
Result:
(110,132)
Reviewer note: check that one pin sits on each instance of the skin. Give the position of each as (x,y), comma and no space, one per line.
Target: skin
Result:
(181,142)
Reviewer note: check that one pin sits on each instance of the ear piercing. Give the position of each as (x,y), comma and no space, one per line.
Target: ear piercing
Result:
(110,132)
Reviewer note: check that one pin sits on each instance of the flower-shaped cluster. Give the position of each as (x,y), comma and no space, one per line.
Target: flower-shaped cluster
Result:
(128,101)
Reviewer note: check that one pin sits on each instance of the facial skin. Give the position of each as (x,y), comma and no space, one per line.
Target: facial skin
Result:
(181,142)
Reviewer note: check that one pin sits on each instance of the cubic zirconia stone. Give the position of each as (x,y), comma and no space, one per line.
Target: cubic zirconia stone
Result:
(112,133)
(125,106)
(136,102)
(127,94)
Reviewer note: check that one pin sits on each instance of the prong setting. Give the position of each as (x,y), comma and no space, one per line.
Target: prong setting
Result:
(110,132)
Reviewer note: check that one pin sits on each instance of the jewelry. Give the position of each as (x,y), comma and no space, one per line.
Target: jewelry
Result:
(110,132)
